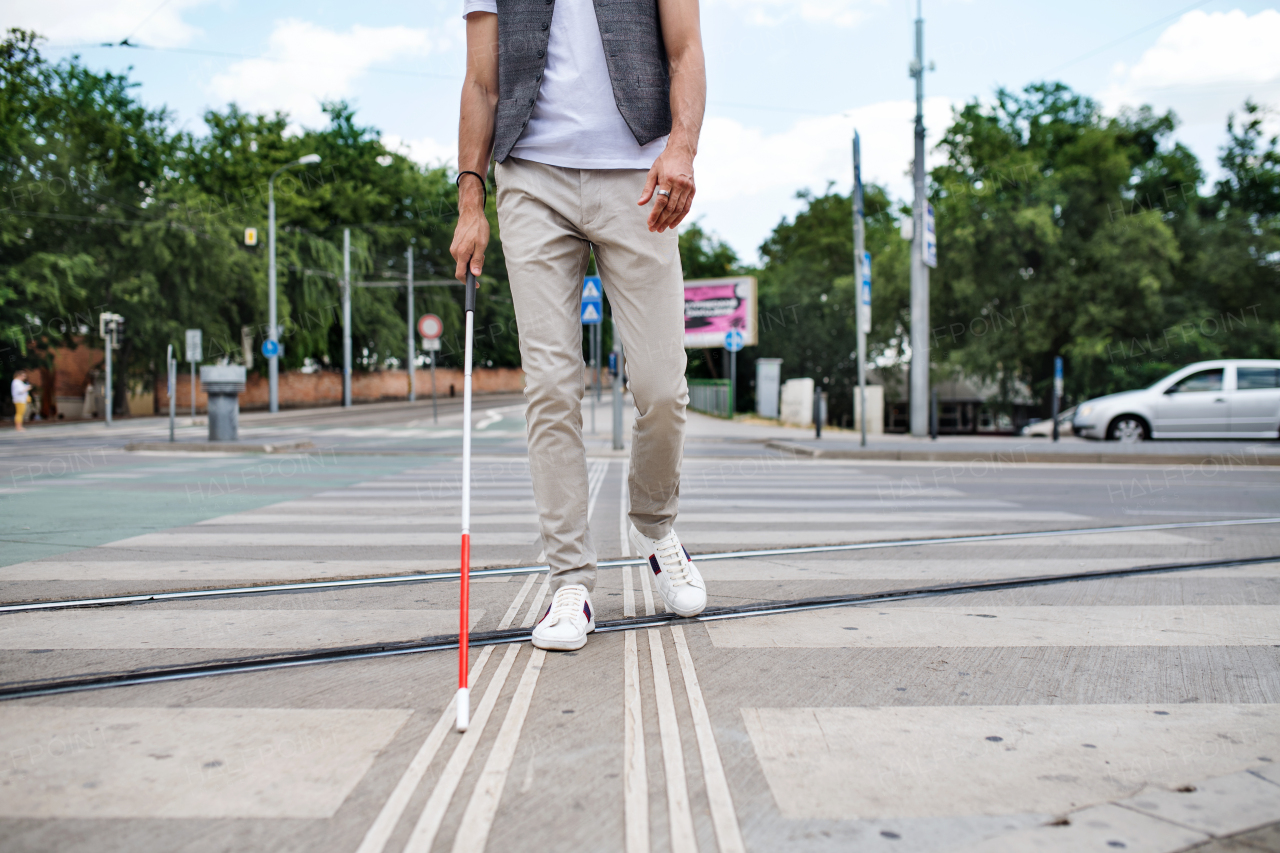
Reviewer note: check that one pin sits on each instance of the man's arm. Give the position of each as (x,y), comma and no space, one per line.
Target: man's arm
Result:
(673,170)
(475,141)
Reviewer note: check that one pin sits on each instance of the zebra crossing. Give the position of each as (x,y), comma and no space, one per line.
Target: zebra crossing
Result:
(1058,717)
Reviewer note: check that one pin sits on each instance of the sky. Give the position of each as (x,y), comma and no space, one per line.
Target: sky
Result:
(788,80)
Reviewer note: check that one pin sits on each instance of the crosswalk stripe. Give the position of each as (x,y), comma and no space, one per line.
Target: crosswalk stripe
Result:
(536,607)
(516,602)
(380,520)
(635,772)
(624,523)
(125,628)
(628,594)
(986,626)
(379,832)
(424,831)
(646,591)
(723,815)
(212,538)
(477,820)
(679,816)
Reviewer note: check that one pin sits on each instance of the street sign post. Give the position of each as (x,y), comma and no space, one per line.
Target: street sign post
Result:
(733,342)
(1057,392)
(591,313)
(431,328)
(195,343)
(109,327)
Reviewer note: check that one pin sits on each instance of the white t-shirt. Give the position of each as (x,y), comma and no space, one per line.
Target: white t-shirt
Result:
(18,390)
(575,121)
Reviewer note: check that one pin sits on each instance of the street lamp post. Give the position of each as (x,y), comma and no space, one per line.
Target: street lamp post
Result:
(273,332)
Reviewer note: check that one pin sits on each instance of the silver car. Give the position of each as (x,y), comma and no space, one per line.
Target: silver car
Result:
(1231,398)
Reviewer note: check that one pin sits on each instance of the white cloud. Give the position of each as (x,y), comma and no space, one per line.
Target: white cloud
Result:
(747,180)
(1203,67)
(424,151)
(843,13)
(95,21)
(306,64)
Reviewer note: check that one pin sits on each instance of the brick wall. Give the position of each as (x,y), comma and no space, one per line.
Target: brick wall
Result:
(324,388)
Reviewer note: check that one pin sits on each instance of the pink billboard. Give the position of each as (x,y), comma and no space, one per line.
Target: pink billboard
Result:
(714,306)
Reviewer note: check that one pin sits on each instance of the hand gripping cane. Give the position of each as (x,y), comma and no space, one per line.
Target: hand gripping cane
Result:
(464,630)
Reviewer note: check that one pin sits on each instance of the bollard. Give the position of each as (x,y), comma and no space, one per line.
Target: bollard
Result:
(819,411)
(223,383)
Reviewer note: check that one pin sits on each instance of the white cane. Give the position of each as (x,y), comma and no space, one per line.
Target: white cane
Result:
(464,696)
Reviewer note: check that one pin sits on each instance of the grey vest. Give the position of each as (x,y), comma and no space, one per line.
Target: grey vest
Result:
(633,49)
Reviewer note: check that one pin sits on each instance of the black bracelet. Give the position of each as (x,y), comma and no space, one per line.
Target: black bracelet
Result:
(484,185)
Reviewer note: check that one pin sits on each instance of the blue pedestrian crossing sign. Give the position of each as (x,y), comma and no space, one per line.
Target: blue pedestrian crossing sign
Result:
(733,340)
(592,310)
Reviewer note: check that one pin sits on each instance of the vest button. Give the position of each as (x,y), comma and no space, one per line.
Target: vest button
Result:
(544,26)
(543,53)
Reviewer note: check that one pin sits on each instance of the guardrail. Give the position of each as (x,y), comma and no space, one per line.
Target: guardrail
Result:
(711,396)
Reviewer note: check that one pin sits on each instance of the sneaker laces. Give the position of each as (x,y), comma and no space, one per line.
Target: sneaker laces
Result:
(566,603)
(669,551)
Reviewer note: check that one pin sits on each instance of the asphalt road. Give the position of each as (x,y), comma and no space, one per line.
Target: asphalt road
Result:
(1030,715)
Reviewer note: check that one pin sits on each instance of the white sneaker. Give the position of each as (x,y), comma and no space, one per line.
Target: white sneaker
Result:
(679,581)
(565,625)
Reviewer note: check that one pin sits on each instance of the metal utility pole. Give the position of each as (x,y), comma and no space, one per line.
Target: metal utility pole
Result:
(171,379)
(408,320)
(919,272)
(273,333)
(862,277)
(346,317)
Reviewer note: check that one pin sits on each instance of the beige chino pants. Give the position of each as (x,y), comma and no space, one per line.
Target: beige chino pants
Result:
(550,219)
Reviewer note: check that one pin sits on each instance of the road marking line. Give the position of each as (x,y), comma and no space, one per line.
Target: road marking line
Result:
(624,523)
(598,473)
(515,604)
(678,814)
(375,839)
(477,820)
(424,831)
(648,593)
(628,594)
(723,815)
(532,615)
(635,775)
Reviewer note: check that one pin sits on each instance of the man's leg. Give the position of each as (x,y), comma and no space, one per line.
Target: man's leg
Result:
(641,274)
(546,255)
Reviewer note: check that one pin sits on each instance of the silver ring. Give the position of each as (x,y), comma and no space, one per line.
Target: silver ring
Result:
(667,193)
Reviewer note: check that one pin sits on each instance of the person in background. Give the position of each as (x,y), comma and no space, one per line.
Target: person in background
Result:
(20,389)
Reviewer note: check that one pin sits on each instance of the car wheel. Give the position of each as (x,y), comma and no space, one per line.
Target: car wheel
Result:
(1127,429)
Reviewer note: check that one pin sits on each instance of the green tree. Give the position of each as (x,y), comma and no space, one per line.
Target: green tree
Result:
(808,295)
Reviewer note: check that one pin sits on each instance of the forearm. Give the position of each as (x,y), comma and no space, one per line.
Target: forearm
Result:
(475,141)
(479,103)
(688,102)
(683,37)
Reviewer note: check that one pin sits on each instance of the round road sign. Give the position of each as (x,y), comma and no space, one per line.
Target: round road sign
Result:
(733,340)
(270,348)
(430,326)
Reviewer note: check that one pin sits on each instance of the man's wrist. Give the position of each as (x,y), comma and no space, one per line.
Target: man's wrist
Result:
(471,197)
